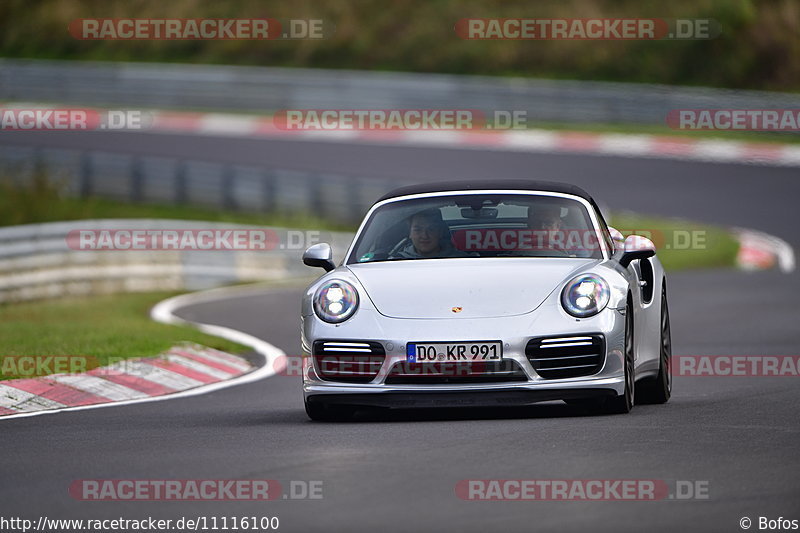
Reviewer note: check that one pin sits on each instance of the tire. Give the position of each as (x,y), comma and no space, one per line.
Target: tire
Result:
(623,403)
(659,390)
(322,412)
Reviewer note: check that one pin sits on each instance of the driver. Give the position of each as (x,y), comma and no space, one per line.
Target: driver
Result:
(545,219)
(546,224)
(428,236)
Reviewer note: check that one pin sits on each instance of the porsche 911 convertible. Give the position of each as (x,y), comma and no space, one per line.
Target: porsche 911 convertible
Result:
(480,294)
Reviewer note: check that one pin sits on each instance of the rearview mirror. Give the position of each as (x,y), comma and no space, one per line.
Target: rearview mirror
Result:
(636,247)
(319,255)
(617,238)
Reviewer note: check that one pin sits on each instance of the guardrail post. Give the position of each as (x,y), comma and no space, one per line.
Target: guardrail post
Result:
(181,195)
(268,191)
(137,180)
(316,203)
(86,186)
(353,199)
(228,187)
(38,167)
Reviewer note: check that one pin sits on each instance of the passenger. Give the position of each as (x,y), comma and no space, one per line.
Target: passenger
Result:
(546,225)
(428,237)
(545,219)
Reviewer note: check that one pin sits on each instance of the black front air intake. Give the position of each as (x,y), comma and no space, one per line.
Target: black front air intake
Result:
(350,361)
(566,356)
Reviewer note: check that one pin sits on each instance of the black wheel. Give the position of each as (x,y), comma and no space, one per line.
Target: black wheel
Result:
(322,412)
(624,402)
(659,390)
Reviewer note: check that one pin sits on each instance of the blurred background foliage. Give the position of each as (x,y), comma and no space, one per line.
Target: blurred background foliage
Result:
(759,47)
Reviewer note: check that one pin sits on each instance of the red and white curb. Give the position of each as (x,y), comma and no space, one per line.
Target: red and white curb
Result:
(531,140)
(761,251)
(183,371)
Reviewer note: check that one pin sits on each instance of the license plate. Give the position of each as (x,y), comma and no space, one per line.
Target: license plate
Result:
(434,352)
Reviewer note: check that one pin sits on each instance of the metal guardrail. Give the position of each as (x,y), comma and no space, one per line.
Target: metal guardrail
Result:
(258,189)
(36,260)
(267,89)
(151,179)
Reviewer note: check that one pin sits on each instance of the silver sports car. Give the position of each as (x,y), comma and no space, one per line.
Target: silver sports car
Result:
(490,293)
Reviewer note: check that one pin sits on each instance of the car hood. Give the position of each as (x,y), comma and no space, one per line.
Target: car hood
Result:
(474,287)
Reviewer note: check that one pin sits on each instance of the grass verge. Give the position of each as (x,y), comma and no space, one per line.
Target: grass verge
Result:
(42,201)
(682,244)
(101,328)
(112,327)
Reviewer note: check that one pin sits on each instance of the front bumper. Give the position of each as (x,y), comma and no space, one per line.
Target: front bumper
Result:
(393,334)
(505,396)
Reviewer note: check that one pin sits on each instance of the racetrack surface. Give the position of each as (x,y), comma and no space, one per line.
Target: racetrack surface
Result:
(399,472)
(754,196)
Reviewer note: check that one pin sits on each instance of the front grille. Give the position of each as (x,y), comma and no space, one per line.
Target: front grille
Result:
(566,357)
(350,361)
(469,372)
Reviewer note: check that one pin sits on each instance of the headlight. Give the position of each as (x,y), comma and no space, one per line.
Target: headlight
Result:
(585,295)
(335,301)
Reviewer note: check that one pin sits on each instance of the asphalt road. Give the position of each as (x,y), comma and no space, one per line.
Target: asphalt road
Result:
(737,436)
(759,197)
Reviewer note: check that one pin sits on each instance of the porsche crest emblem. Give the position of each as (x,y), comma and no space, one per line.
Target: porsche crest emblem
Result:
(456,309)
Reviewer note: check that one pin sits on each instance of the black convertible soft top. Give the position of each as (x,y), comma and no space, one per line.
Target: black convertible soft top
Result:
(488,184)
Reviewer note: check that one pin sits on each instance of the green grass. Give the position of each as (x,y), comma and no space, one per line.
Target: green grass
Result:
(682,244)
(755,48)
(113,327)
(104,328)
(43,200)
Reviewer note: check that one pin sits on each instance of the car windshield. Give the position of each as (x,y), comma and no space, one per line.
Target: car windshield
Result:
(477,225)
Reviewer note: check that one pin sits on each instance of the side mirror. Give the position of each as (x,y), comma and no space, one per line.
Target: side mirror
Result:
(617,238)
(319,255)
(636,247)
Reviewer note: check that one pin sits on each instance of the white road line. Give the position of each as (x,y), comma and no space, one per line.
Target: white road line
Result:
(530,139)
(20,400)
(218,357)
(718,150)
(156,374)
(98,386)
(435,137)
(782,250)
(199,367)
(631,145)
(790,155)
(164,312)
(225,124)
